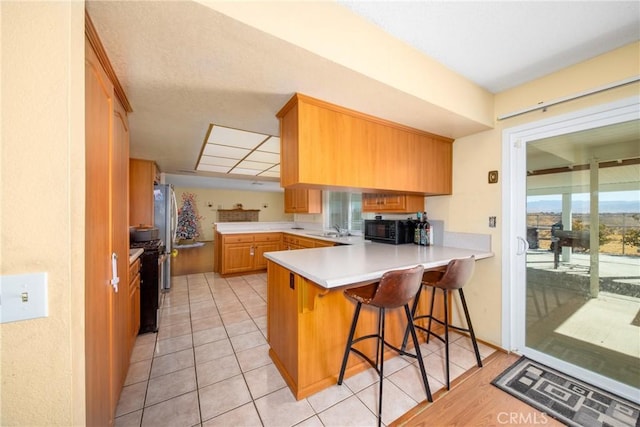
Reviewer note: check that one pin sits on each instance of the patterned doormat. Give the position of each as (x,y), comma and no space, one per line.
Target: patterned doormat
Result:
(564,398)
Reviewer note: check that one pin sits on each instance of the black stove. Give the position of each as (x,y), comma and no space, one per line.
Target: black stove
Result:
(150,283)
(150,245)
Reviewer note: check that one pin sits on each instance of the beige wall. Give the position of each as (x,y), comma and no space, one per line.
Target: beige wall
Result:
(42,208)
(474,200)
(227,199)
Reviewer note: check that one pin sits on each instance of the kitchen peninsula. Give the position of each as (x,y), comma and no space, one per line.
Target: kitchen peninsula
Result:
(309,318)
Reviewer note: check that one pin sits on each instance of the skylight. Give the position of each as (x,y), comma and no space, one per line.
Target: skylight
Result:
(238,152)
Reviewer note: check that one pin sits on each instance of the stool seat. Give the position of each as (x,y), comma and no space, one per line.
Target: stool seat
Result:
(395,289)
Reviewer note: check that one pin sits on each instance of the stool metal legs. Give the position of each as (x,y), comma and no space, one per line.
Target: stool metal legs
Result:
(446,323)
(378,364)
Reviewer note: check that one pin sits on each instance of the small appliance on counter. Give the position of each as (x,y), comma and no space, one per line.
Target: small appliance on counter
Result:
(393,231)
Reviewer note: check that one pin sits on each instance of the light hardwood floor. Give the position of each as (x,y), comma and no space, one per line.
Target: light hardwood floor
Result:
(474,401)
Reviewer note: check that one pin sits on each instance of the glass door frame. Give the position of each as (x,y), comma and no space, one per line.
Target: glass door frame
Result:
(514,226)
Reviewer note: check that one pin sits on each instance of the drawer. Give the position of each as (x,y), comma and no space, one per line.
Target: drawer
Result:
(267,237)
(237,238)
(134,269)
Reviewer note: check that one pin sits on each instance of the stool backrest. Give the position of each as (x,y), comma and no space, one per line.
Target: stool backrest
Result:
(458,273)
(397,287)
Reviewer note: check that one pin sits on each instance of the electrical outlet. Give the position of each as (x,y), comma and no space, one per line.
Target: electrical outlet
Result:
(492,222)
(23,296)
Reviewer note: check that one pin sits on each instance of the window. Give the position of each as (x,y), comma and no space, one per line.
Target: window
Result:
(343,210)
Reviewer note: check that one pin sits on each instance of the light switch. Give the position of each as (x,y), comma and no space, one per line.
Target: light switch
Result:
(23,296)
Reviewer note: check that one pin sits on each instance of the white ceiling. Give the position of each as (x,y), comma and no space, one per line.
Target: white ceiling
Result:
(185,66)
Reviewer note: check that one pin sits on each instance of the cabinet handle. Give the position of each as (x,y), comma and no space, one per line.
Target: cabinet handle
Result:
(252,251)
(114,271)
(292,281)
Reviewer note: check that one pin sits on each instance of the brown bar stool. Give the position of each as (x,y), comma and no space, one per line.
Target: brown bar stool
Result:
(457,274)
(395,289)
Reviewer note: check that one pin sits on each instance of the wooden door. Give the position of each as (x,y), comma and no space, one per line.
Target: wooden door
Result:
(100,402)
(120,244)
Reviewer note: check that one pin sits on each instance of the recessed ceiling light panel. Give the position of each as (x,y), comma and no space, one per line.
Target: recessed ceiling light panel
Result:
(235,151)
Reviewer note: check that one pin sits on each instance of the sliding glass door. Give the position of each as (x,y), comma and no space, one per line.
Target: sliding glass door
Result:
(575,258)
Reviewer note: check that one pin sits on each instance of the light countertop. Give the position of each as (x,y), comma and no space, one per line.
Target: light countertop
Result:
(134,254)
(337,266)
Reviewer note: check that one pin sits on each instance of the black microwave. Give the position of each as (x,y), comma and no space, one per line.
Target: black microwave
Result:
(394,231)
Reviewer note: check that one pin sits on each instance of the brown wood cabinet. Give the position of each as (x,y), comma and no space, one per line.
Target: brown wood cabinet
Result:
(143,174)
(300,200)
(134,303)
(245,252)
(325,146)
(107,349)
(293,242)
(398,203)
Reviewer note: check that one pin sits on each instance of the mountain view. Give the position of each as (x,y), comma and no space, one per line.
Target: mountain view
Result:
(582,206)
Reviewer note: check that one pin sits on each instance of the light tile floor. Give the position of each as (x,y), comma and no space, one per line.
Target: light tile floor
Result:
(209,366)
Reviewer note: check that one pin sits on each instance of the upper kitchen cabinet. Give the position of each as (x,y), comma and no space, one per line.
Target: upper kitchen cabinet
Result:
(298,200)
(325,146)
(392,203)
(143,174)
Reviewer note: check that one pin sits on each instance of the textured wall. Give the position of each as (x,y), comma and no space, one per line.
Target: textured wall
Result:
(42,208)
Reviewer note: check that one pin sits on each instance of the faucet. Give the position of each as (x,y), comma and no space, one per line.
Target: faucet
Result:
(341,231)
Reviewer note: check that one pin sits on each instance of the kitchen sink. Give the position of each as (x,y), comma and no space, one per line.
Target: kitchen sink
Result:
(331,234)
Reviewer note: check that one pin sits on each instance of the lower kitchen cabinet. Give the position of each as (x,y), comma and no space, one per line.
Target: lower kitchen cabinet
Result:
(134,302)
(292,242)
(245,252)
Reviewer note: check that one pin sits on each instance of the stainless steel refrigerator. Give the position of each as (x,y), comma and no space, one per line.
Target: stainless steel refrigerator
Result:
(166,220)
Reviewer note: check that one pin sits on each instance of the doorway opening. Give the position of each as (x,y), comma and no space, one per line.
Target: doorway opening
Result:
(571,260)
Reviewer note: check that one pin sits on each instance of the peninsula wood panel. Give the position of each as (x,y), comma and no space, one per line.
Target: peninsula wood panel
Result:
(309,354)
(327,146)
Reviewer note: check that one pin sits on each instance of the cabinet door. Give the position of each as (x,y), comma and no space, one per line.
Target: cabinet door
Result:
(370,202)
(397,203)
(120,242)
(237,257)
(142,174)
(134,309)
(298,200)
(259,261)
(99,375)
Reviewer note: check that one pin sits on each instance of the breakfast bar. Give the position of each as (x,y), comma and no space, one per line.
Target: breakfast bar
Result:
(308,317)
